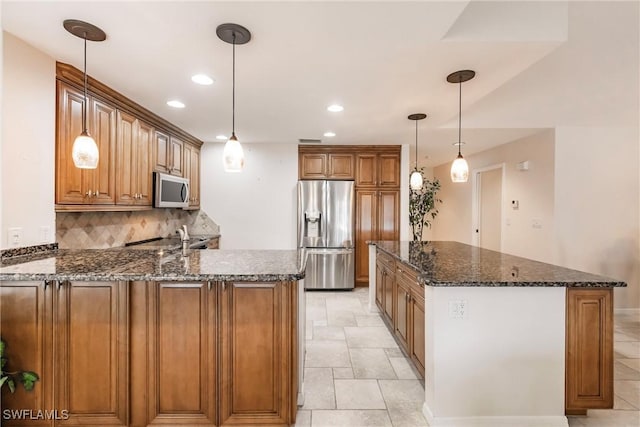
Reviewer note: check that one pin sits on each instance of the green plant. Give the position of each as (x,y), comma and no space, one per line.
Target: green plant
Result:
(422,205)
(26,378)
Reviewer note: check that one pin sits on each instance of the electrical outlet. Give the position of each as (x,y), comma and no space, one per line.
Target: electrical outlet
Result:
(458,309)
(14,237)
(45,233)
(536,223)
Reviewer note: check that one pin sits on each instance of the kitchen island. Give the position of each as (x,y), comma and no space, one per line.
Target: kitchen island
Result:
(500,340)
(134,337)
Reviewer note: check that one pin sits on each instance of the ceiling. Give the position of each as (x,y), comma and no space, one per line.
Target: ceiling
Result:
(539,65)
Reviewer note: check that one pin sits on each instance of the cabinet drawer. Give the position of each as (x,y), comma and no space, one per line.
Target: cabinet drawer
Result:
(387,260)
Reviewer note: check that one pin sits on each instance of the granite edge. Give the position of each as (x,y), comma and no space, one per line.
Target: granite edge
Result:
(12,253)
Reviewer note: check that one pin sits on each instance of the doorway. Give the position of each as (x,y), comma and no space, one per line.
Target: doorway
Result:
(488,191)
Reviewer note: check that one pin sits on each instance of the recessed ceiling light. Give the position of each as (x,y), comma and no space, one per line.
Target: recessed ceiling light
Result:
(222,137)
(175,103)
(202,79)
(335,108)
(329,134)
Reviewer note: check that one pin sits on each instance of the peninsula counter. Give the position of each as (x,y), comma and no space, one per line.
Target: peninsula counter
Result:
(132,337)
(501,340)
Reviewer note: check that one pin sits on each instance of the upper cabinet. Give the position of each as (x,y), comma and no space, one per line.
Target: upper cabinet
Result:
(132,141)
(325,165)
(378,170)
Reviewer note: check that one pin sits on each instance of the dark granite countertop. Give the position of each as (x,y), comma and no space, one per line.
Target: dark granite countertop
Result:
(139,264)
(441,263)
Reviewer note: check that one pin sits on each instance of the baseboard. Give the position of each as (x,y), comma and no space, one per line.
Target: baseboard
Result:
(507,421)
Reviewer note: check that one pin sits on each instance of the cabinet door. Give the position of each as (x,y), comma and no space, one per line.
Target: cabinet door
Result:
(176,157)
(182,357)
(589,359)
(366,170)
(389,170)
(126,185)
(70,188)
(91,347)
(102,180)
(25,316)
(366,226)
(401,318)
(340,166)
(417,331)
(144,162)
(313,166)
(257,365)
(194,178)
(379,285)
(389,297)
(163,153)
(388,215)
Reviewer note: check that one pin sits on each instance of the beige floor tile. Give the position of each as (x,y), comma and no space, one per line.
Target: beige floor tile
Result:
(611,418)
(619,336)
(624,372)
(341,318)
(316,312)
(369,320)
(358,394)
(394,352)
(379,418)
(620,403)
(303,418)
(319,391)
(346,303)
(327,354)
(402,390)
(628,390)
(342,373)
(575,421)
(403,369)
(371,363)
(628,349)
(328,333)
(630,332)
(632,363)
(369,337)
(406,414)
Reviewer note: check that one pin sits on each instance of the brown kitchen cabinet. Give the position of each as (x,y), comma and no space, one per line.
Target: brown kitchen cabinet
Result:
(385,272)
(417,330)
(378,170)
(74,336)
(169,152)
(181,336)
(257,365)
(589,347)
(377,218)
(84,186)
(192,172)
(401,320)
(326,166)
(134,151)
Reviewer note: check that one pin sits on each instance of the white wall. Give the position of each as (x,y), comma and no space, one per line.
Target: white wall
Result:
(28,142)
(534,189)
(256,209)
(597,205)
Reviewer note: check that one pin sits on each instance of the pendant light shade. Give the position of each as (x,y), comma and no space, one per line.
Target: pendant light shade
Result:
(460,167)
(85,153)
(416,179)
(233,154)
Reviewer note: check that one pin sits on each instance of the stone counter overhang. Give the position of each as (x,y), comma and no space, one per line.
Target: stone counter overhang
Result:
(445,263)
(150,265)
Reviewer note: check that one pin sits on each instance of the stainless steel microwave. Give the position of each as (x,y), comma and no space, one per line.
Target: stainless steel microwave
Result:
(170,191)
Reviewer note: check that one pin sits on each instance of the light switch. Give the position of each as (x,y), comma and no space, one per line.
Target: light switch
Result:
(457,309)
(14,237)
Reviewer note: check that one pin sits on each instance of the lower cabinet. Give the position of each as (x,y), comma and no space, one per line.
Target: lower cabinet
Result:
(401,321)
(74,336)
(417,337)
(589,358)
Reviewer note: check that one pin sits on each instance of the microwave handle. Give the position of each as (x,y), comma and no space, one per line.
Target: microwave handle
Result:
(184,193)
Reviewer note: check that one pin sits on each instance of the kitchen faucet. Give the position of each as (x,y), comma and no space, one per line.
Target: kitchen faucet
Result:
(184,237)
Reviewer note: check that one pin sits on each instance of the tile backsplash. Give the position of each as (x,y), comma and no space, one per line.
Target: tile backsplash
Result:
(98,230)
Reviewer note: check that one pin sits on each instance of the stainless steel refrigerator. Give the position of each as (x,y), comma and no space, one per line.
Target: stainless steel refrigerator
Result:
(325,233)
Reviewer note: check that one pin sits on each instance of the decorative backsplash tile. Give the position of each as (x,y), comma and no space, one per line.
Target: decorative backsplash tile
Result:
(98,230)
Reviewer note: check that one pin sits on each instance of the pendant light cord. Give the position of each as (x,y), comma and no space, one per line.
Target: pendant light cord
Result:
(233,89)
(416,145)
(84,104)
(460,117)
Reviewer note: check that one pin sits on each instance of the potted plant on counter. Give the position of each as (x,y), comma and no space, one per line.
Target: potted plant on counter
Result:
(26,378)
(422,205)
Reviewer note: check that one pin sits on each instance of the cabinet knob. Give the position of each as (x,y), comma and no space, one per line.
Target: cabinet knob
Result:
(88,193)
(97,193)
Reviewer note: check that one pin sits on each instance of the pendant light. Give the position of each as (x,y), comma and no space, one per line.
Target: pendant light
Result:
(85,152)
(233,155)
(460,167)
(416,179)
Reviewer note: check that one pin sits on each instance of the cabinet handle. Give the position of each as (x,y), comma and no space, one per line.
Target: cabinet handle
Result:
(97,193)
(209,285)
(400,270)
(224,286)
(46,283)
(58,284)
(88,193)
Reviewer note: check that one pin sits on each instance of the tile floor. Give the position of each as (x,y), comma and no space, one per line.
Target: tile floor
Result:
(356,376)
